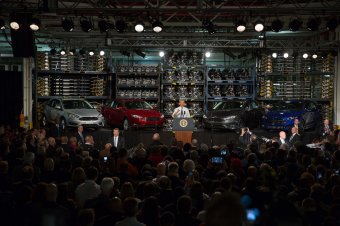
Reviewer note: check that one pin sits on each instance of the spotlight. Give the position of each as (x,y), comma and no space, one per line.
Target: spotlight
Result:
(240,26)
(161,53)
(2,24)
(85,24)
(53,51)
(314,56)
(274,55)
(295,25)
(101,53)
(313,24)
(62,52)
(157,26)
(67,24)
(35,24)
(285,55)
(140,53)
(305,55)
(14,24)
(139,27)
(72,52)
(103,26)
(259,26)
(82,52)
(91,53)
(332,24)
(277,25)
(208,54)
(120,26)
(209,26)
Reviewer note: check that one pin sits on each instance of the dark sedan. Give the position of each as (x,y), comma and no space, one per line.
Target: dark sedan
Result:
(233,115)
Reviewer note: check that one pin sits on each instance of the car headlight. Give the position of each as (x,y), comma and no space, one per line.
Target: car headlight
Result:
(71,115)
(205,117)
(100,116)
(136,116)
(162,116)
(230,117)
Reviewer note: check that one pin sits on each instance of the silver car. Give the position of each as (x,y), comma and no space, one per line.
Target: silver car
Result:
(72,112)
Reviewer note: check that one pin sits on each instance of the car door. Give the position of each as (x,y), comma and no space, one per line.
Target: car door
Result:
(56,110)
(115,113)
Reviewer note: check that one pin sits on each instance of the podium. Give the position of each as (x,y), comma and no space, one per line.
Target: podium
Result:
(183,128)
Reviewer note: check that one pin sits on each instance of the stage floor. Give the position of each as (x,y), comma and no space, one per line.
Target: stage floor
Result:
(133,137)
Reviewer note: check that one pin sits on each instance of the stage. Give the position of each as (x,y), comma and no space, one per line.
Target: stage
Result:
(136,136)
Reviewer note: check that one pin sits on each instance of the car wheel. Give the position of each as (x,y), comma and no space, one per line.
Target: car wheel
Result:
(63,123)
(43,121)
(126,124)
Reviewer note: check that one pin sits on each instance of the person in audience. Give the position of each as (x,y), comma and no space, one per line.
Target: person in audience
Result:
(130,206)
(117,141)
(294,137)
(282,138)
(325,129)
(80,135)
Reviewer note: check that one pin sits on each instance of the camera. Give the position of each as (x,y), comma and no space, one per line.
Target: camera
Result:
(224,152)
(217,160)
(252,214)
(105,158)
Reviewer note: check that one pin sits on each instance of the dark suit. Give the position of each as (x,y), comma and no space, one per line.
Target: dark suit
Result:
(80,140)
(120,142)
(293,139)
(280,142)
(92,151)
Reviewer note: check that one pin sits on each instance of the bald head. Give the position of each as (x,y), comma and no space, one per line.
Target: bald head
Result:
(156,137)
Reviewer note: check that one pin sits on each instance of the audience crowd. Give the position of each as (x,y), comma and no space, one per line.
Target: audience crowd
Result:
(67,181)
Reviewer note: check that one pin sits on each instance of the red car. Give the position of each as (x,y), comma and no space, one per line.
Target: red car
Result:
(128,113)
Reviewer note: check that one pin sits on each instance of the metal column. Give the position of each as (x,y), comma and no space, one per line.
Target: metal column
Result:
(27,91)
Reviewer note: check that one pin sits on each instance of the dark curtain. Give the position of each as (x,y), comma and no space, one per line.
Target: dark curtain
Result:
(11,100)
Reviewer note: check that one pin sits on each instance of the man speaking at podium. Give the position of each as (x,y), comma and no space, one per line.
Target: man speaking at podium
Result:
(181,111)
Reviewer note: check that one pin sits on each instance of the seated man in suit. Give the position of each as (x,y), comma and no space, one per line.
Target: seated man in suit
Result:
(181,111)
(116,140)
(294,137)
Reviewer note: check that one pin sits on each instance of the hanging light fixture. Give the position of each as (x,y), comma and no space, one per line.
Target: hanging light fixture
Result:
(295,25)
(2,24)
(62,52)
(313,24)
(14,24)
(35,24)
(85,24)
(157,26)
(259,26)
(139,26)
(285,55)
(277,25)
(274,55)
(101,53)
(103,26)
(240,26)
(207,54)
(314,55)
(305,55)
(161,53)
(120,26)
(332,24)
(67,24)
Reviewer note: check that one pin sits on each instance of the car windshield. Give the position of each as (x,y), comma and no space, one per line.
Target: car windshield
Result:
(228,105)
(285,105)
(76,104)
(138,105)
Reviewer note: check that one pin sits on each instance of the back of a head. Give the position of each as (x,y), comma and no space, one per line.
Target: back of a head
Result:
(85,217)
(130,207)
(88,139)
(225,210)
(92,173)
(184,205)
(167,219)
(51,192)
(156,137)
(3,167)
(107,185)
(173,167)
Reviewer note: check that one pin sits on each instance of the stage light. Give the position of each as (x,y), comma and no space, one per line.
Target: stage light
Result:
(313,24)
(157,26)
(208,54)
(305,55)
(314,56)
(274,55)
(209,26)
(53,51)
(120,26)
(101,53)
(277,25)
(259,26)
(332,24)
(295,25)
(72,52)
(103,26)
(67,24)
(35,24)
(240,26)
(62,52)
(2,24)
(14,24)
(91,53)
(85,24)
(285,55)
(139,26)
(161,53)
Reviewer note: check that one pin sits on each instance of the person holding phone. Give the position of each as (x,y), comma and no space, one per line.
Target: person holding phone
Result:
(245,136)
(182,111)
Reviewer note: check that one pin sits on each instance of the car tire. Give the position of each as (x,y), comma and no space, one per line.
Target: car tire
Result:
(126,124)
(43,121)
